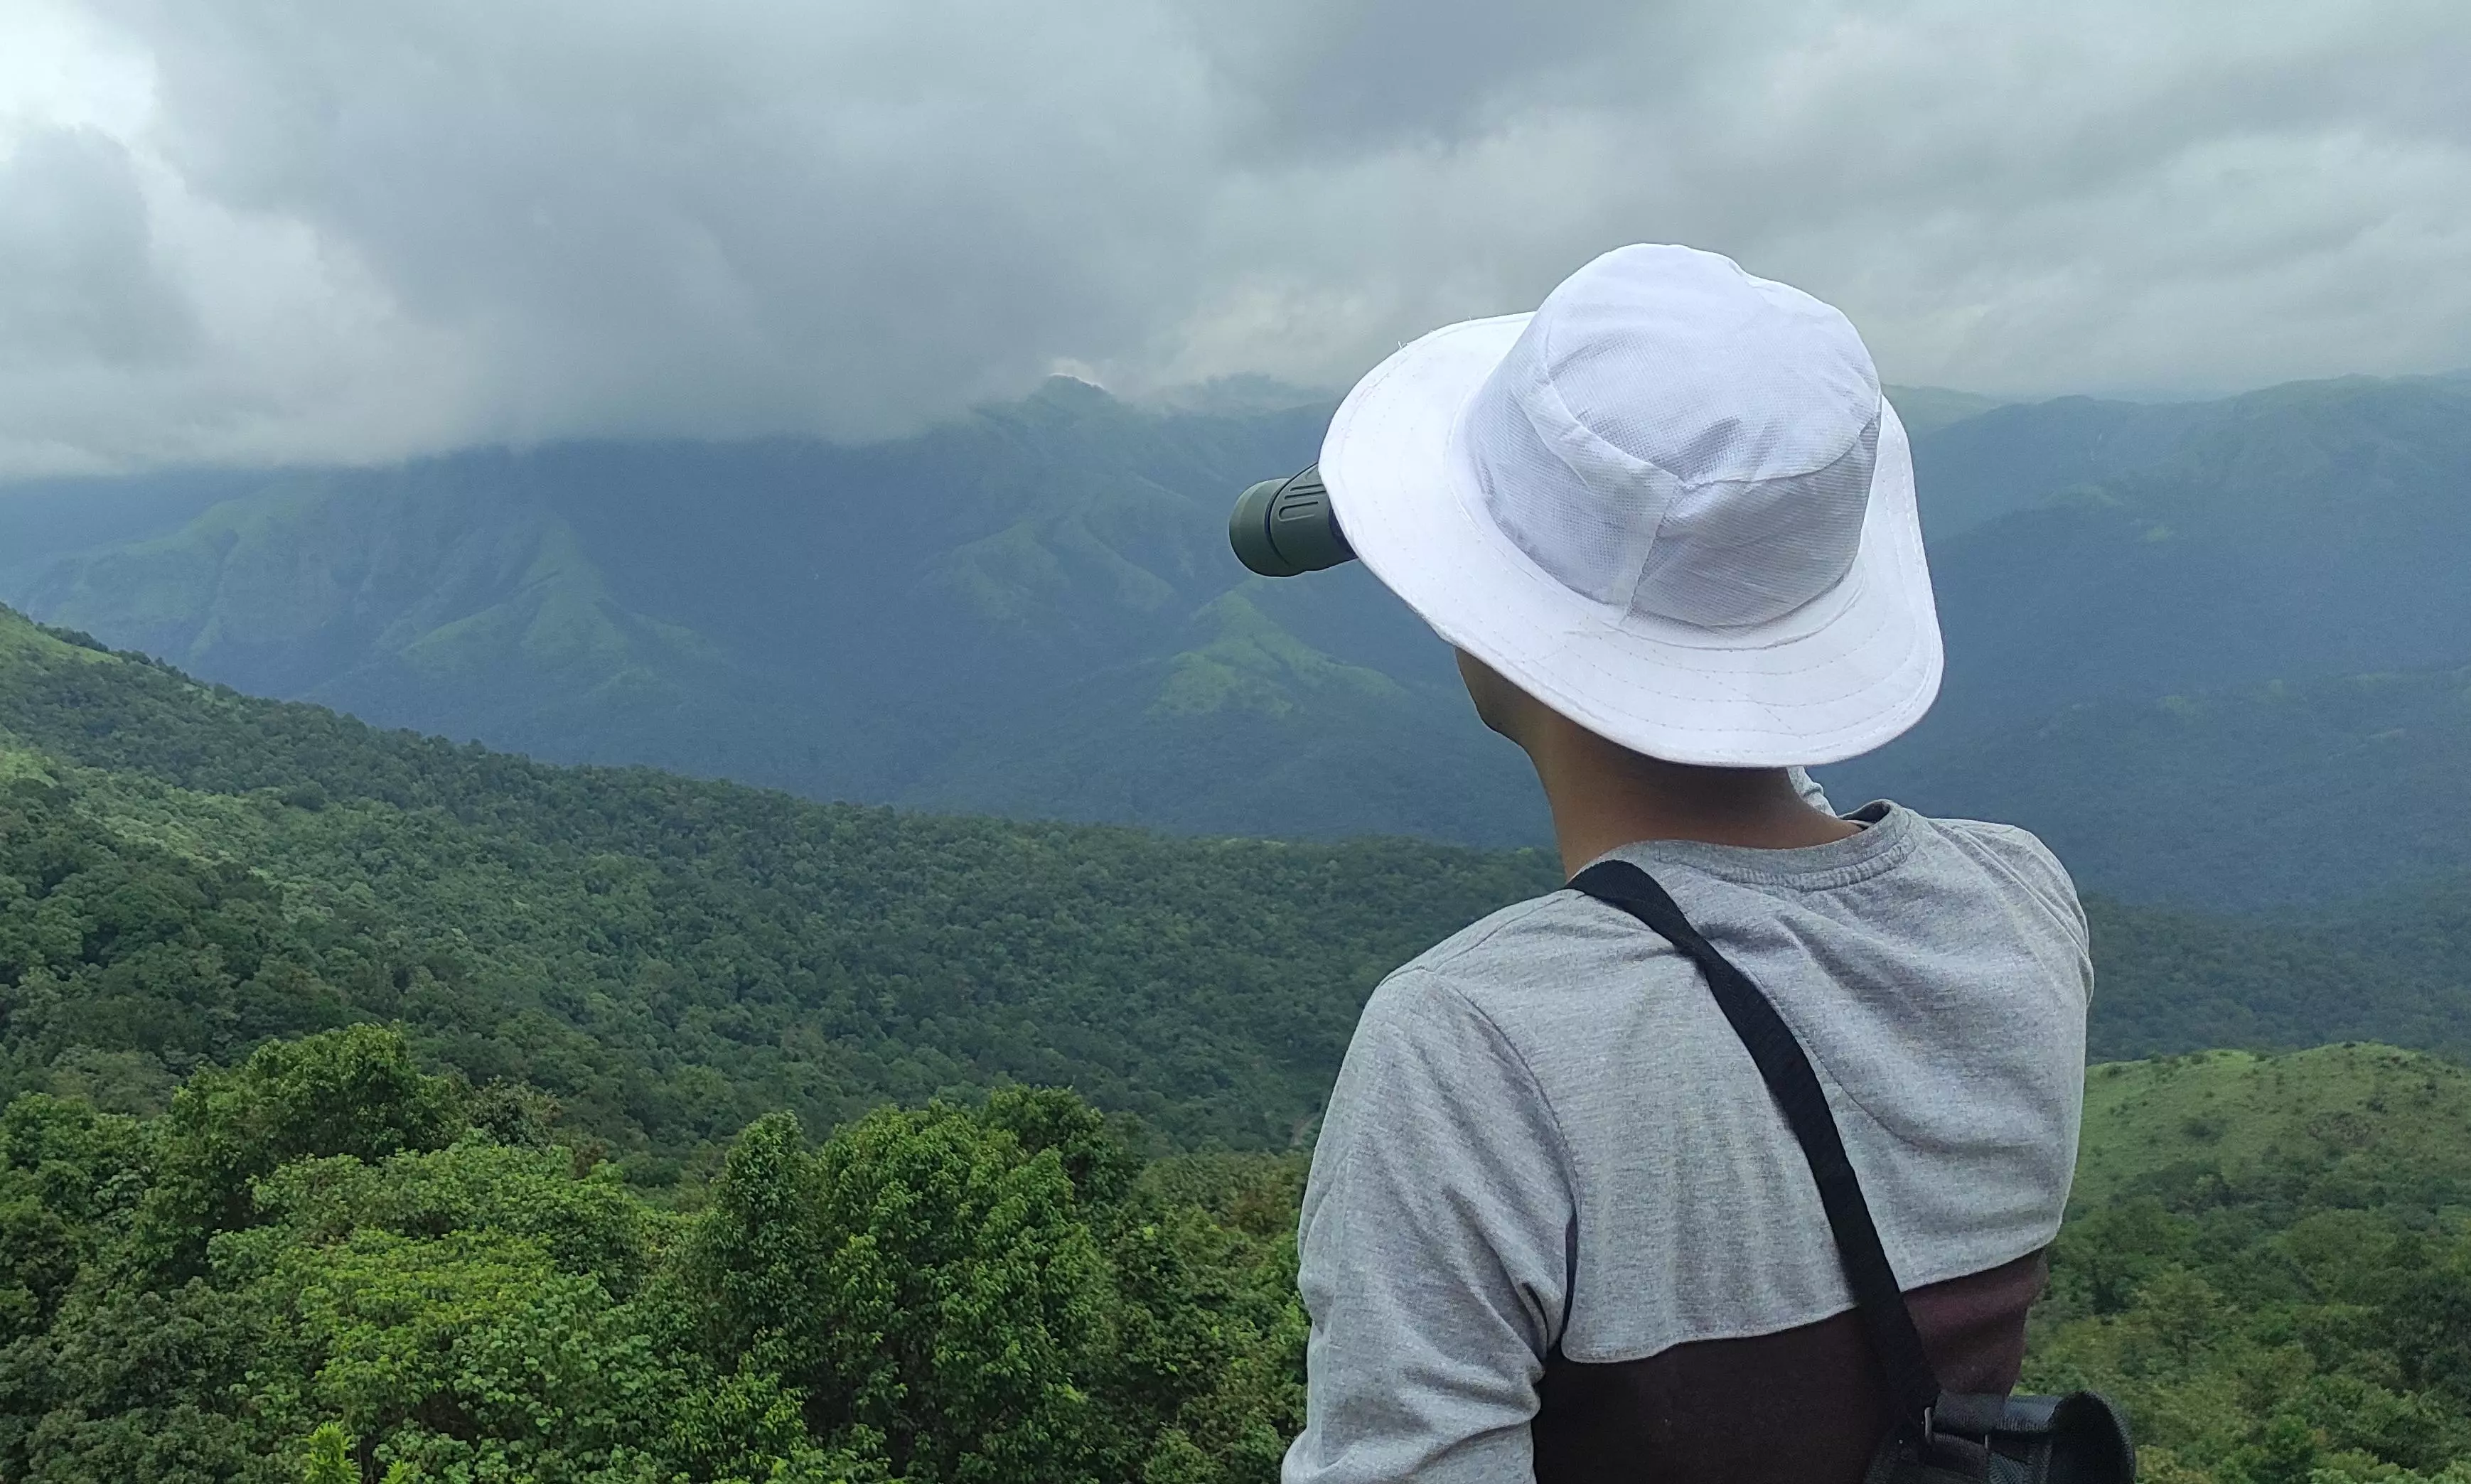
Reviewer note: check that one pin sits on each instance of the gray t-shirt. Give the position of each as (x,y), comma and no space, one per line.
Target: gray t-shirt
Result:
(1545,1132)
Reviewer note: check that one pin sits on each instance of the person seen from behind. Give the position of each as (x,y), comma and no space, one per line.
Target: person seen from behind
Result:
(1556,1227)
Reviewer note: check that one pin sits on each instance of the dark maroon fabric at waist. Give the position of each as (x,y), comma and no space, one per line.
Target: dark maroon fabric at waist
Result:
(1800,1406)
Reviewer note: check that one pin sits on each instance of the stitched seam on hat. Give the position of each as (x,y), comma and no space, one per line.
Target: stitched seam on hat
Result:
(1837,458)
(1748,484)
(1856,572)
(1621,456)
(1587,436)
(1560,443)
(1774,710)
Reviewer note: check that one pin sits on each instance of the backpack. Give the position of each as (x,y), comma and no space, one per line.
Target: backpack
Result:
(1934,1436)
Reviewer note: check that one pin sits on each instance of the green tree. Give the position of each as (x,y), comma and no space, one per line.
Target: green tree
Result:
(329,1459)
(354,1091)
(928,1282)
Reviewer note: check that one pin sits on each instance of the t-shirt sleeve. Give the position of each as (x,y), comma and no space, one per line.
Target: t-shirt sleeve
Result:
(1434,1250)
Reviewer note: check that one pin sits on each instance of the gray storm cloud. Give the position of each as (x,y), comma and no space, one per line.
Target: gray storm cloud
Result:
(256,230)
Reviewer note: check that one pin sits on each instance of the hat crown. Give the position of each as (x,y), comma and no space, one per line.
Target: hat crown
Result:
(1673,437)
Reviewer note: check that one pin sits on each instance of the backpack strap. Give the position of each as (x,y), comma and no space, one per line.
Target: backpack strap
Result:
(1913,1385)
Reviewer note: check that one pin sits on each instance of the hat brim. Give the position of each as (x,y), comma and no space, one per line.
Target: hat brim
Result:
(1835,678)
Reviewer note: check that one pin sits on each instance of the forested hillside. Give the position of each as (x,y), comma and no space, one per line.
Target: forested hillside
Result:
(538,1194)
(189,871)
(325,1265)
(2257,798)
(185,872)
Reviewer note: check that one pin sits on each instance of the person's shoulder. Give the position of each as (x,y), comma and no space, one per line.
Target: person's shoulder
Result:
(1478,951)
(1492,967)
(2015,855)
(2011,844)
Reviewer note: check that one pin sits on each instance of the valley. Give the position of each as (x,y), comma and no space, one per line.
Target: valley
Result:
(652,833)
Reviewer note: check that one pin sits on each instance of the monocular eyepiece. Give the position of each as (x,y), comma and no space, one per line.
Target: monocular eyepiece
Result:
(1285,528)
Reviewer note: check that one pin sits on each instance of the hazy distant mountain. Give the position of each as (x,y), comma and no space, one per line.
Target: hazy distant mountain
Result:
(1929,408)
(2314,529)
(2183,673)
(1033,611)
(2007,459)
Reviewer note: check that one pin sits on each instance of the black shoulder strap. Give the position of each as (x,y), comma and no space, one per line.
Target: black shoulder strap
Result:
(1913,1385)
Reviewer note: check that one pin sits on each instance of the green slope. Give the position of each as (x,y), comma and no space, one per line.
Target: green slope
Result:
(668,956)
(2392,968)
(2267,1262)
(2378,1123)
(1031,611)
(975,618)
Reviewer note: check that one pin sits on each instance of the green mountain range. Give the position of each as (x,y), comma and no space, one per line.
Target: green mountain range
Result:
(2155,614)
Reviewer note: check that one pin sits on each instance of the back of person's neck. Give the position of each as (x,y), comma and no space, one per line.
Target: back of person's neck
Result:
(1604,797)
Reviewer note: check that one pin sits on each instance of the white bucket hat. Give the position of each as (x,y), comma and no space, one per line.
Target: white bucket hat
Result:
(1670,504)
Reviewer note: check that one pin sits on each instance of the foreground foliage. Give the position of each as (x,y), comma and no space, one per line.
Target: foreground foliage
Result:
(2270,1264)
(326,1264)
(329,1265)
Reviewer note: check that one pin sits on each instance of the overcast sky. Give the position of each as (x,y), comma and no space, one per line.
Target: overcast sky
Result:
(260,231)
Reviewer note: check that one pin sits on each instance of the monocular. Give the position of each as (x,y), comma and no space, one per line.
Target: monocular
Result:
(1285,528)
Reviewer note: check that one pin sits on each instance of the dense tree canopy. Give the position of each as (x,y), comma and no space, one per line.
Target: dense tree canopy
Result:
(326,1265)
(326,1260)
(185,872)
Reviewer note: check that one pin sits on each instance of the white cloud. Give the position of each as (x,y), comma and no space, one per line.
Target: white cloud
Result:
(268,230)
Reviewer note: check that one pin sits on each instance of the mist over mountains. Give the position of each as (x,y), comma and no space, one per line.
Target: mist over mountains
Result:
(2210,650)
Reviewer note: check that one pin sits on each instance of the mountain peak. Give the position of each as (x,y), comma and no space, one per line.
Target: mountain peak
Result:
(1072,391)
